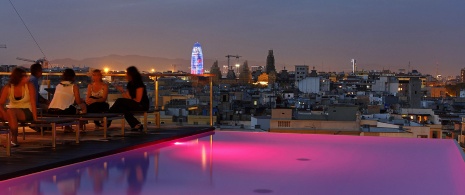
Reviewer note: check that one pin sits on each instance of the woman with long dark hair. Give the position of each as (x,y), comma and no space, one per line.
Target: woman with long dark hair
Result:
(22,107)
(134,98)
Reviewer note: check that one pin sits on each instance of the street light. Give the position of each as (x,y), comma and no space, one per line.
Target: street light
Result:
(237,68)
(106,70)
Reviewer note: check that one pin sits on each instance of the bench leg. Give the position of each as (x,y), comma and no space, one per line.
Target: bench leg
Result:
(145,122)
(155,119)
(54,135)
(8,144)
(158,119)
(105,128)
(78,129)
(122,126)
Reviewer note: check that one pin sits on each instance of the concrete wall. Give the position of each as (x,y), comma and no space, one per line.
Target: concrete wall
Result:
(372,123)
(281,114)
(199,120)
(276,124)
(405,135)
(328,132)
(415,132)
(380,85)
(309,85)
(264,123)
(419,131)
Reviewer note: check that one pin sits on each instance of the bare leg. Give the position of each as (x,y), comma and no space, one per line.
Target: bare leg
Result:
(15,115)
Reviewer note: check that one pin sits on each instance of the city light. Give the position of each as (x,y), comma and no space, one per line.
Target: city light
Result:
(106,70)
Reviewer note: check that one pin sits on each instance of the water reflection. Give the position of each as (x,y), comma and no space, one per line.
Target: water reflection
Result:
(98,174)
(32,188)
(69,182)
(134,169)
(124,173)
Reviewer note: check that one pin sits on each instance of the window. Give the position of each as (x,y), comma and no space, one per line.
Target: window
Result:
(284,123)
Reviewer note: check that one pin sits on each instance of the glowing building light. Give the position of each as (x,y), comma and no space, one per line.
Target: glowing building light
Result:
(197,59)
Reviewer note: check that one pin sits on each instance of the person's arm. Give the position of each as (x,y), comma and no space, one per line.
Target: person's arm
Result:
(139,94)
(32,95)
(77,97)
(125,94)
(89,92)
(3,98)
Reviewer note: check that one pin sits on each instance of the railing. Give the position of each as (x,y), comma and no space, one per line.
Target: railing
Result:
(54,76)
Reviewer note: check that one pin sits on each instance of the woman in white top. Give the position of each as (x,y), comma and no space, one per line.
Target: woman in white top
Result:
(66,95)
(97,93)
(22,107)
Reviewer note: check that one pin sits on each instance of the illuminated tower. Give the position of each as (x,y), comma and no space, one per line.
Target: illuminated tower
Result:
(197,59)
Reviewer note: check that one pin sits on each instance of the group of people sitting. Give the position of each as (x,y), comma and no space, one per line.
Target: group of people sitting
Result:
(22,93)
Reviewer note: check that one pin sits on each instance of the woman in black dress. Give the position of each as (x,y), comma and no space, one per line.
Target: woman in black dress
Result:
(134,98)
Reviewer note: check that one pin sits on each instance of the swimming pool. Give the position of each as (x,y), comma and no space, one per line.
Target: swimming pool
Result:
(224,162)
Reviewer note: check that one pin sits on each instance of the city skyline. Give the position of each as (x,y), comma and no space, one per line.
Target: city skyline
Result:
(428,35)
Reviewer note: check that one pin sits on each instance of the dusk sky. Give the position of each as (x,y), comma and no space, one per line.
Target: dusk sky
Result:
(326,34)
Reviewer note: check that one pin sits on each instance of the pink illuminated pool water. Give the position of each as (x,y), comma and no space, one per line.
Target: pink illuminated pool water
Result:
(262,163)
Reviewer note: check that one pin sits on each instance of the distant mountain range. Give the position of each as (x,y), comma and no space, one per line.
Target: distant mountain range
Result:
(143,63)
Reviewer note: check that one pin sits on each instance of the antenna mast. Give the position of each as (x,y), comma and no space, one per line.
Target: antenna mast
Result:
(27,29)
(229,56)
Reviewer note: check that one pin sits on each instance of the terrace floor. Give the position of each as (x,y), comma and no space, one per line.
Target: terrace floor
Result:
(37,154)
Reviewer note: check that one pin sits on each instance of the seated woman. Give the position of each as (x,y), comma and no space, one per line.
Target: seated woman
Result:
(134,99)
(97,93)
(22,107)
(66,95)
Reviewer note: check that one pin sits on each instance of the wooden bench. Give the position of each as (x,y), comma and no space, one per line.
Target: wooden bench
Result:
(53,122)
(22,124)
(96,116)
(50,122)
(105,117)
(6,130)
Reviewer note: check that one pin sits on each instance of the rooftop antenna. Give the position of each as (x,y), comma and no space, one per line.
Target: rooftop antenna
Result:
(27,29)
(229,56)
(354,65)
(408,70)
